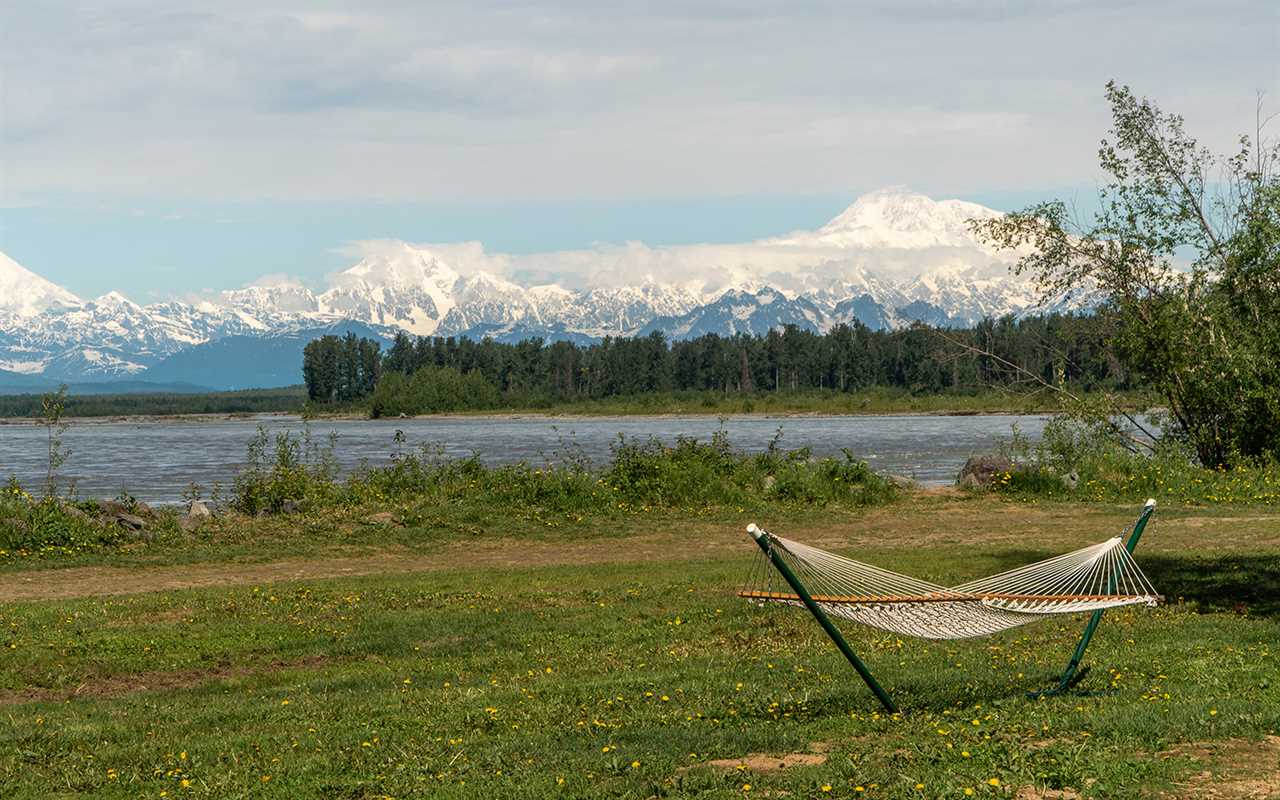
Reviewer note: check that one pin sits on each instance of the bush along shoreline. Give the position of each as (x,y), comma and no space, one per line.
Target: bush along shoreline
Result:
(1076,460)
(295,478)
(287,474)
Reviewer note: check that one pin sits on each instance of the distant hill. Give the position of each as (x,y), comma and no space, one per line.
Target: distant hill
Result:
(249,362)
(17,383)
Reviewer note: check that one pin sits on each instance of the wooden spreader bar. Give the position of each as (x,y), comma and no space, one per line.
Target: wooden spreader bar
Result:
(941,597)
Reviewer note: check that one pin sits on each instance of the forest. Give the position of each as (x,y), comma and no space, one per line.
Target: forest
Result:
(428,374)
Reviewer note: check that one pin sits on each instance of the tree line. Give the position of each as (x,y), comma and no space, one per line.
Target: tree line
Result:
(459,373)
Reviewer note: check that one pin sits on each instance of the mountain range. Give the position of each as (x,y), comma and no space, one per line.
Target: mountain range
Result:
(890,258)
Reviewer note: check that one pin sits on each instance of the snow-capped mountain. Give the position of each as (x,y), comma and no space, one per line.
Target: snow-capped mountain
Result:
(744,310)
(892,219)
(888,259)
(24,294)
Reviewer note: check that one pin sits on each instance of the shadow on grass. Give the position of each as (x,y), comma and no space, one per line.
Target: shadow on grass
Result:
(1244,583)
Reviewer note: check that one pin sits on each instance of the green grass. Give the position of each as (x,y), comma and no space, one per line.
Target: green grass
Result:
(246,401)
(879,400)
(503,677)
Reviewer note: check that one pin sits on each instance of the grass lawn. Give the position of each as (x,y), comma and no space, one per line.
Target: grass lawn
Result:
(618,663)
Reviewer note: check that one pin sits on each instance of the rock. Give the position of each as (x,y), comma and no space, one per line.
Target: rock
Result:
(902,481)
(125,520)
(114,513)
(14,524)
(197,513)
(1071,480)
(107,507)
(981,469)
(968,482)
(75,513)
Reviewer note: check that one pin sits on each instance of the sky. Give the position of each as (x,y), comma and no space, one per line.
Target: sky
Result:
(163,149)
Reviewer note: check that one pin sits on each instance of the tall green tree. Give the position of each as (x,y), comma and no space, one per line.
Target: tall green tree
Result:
(1184,250)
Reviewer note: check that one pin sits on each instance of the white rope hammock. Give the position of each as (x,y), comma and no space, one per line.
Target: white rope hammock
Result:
(1090,579)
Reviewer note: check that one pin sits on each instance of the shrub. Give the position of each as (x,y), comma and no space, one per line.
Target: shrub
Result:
(1105,470)
(285,471)
(46,526)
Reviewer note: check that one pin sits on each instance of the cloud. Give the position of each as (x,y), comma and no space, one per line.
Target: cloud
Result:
(276,280)
(888,234)
(552,101)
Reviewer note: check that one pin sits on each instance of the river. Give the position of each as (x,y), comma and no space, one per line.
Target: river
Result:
(155,460)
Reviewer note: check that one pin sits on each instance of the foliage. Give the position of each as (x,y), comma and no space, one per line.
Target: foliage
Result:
(1105,470)
(53,405)
(848,360)
(341,369)
(1207,337)
(432,390)
(249,401)
(642,475)
(696,474)
(285,472)
(46,526)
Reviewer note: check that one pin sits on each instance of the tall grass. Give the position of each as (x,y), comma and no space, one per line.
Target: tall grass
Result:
(291,473)
(47,526)
(1102,469)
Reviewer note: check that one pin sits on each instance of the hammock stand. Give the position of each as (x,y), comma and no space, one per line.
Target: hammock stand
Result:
(1091,579)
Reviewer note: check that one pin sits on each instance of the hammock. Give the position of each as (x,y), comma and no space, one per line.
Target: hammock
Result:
(1098,577)
(1091,579)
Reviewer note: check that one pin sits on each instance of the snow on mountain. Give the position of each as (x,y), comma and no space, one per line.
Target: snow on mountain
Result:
(890,258)
(893,219)
(624,310)
(484,299)
(738,311)
(404,287)
(24,294)
(271,299)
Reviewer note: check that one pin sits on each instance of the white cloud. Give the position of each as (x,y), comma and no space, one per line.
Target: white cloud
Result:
(448,101)
(276,280)
(891,234)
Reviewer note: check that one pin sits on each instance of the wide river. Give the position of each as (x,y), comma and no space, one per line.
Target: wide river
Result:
(156,460)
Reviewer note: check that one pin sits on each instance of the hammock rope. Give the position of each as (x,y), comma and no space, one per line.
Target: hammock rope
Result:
(1092,578)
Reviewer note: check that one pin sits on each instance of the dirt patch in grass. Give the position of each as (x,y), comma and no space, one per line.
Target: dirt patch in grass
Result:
(764,762)
(925,520)
(1032,793)
(1233,769)
(135,683)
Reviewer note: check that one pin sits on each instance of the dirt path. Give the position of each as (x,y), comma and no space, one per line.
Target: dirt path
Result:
(944,522)
(61,584)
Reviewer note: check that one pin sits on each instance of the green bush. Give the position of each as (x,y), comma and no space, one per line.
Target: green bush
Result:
(46,526)
(285,472)
(641,476)
(432,390)
(1104,469)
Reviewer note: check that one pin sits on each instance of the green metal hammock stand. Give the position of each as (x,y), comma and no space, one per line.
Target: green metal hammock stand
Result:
(1091,579)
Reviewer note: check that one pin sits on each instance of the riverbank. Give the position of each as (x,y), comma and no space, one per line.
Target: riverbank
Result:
(22,409)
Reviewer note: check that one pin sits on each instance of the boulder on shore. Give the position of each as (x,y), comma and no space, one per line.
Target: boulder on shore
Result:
(902,482)
(978,471)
